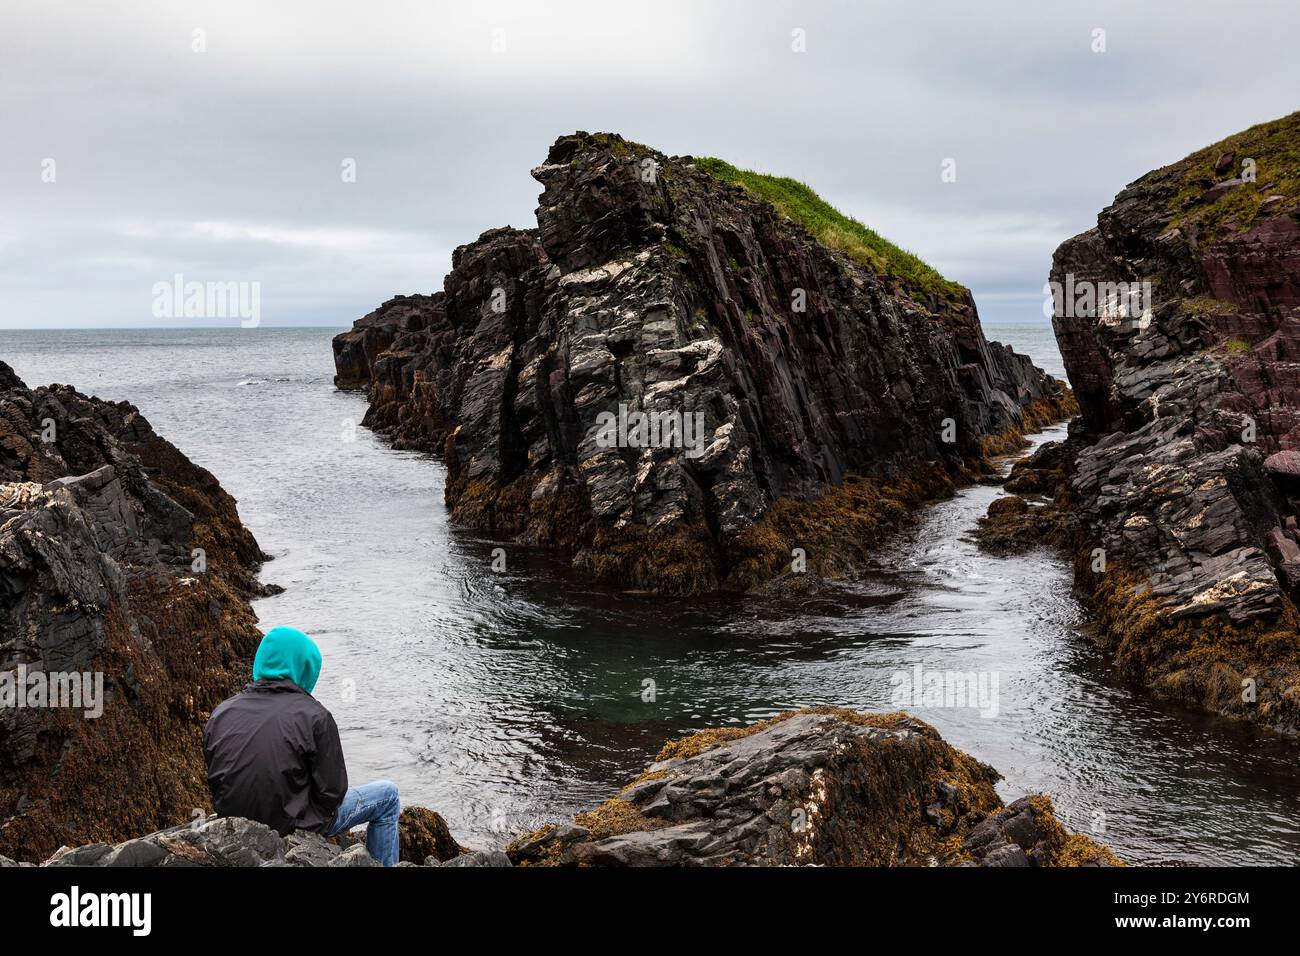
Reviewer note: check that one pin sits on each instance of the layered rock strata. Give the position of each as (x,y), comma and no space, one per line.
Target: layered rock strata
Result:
(666,359)
(1178,318)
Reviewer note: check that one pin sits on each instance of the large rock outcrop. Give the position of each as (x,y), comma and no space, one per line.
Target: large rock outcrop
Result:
(1183,458)
(823,786)
(655,286)
(119,558)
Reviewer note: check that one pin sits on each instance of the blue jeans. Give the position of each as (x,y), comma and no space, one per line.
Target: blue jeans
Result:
(375,804)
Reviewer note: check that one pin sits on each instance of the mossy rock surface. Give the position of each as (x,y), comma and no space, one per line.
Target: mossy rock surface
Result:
(423,833)
(825,786)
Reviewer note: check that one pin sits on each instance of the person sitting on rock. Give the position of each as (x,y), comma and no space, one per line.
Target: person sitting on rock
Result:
(274,756)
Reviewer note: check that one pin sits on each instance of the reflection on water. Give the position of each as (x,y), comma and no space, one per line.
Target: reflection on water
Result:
(506,700)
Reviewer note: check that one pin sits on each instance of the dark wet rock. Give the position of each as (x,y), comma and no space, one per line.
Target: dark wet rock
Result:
(422,833)
(1008,506)
(823,787)
(1184,458)
(1027,833)
(816,787)
(675,293)
(1042,472)
(101,525)
(1008,854)
(1037,514)
(9,378)
(1014,525)
(355,351)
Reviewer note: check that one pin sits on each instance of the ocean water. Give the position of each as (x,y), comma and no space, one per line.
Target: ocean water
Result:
(1036,340)
(507,700)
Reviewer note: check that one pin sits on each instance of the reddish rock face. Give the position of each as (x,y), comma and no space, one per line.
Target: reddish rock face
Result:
(1284,465)
(672,294)
(1181,406)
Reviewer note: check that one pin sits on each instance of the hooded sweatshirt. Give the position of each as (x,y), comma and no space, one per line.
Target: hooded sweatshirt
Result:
(272,750)
(286,653)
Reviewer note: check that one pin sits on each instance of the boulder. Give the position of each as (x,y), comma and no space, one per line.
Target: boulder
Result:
(823,786)
(355,855)
(423,834)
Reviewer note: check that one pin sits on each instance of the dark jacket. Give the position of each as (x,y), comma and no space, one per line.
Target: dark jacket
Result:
(274,756)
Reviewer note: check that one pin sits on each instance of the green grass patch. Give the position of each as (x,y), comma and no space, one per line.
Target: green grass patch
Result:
(1237,345)
(1206,305)
(832,228)
(1275,148)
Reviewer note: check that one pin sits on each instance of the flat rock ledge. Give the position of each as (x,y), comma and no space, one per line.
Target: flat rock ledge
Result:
(235,841)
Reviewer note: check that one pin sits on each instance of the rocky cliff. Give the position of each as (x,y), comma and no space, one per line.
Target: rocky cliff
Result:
(686,372)
(821,787)
(120,558)
(1178,318)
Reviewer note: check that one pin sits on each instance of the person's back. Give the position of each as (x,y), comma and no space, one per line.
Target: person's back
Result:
(274,756)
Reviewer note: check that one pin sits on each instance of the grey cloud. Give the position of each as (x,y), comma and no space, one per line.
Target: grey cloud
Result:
(152,139)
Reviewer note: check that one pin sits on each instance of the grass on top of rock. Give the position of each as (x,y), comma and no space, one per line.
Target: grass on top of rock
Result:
(1275,149)
(832,228)
(617,144)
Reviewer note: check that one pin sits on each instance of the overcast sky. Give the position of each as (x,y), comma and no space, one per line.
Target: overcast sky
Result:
(225,164)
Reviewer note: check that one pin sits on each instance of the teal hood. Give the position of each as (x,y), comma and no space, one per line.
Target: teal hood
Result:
(286,653)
